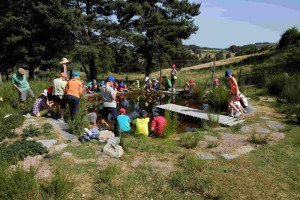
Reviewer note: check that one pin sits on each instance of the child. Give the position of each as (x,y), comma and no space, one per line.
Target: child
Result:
(142,124)
(92,86)
(167,83)
(91,133)
(173,77)
(189,86)
(155,84)
(122,87)
(158,124)
(238,106)
(123,121)
(42,105)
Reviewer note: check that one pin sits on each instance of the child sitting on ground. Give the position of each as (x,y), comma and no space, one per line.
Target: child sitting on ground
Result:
(158,124)
(42,105)
(90,133)
(238,105)
(123,121)
(142,124)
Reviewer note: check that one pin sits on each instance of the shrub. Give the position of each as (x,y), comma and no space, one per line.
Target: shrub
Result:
(213,120)
(19,150)
(190,139)
(276,83)
(218,99)
(258,138)
(47,129)
(289,37)
(291,89)
(172,123)
(31,131)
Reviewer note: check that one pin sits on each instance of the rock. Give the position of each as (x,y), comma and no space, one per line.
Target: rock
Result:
(264,118)
(262,130)
(105,135)
(244,149)
(206,156)
(113,141)
(44,172)
(67,154)
(113,151)
(277,136)
(246,129)
(47,143)
(60,147)
(29,139)
(275,125)
(30,161)
(230,156)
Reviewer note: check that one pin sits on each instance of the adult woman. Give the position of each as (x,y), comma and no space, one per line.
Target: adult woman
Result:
(73,93)
(234,92)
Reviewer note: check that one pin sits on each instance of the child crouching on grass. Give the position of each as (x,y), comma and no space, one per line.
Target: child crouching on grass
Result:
(123,121)
(42,105)
(158,124)
(91,133)
(141,124)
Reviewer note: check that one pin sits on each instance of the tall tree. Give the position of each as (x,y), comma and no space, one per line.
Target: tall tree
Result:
(156,27)
(35,33)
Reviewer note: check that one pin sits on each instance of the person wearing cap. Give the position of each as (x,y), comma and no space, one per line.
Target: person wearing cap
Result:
(189,86)
(20,82)
(64,62)
(123,121)
(109,95)
(142,124)
(234,92)
(173,77)
(73,92)
(158,124)
(58,92)
(122,87)
(42,105)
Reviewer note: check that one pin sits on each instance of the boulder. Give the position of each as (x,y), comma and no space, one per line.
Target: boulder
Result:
(113,141)
(115,151)
(105,135)
(47,143)
(244,149)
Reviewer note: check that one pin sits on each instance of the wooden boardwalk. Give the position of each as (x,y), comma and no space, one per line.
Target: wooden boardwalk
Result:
(200,114)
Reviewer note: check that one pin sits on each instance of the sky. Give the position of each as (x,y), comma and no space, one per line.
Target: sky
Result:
(223,23)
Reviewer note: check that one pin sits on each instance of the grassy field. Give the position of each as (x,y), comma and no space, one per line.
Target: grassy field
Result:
(164,168)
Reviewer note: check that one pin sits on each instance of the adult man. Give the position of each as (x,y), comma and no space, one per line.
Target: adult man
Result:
(59,85)
(20,83)
(109,94)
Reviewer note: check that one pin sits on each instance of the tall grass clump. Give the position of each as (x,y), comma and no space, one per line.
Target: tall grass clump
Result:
(218,99)
(172,123)
(23,184)
(276,83)
(103,183)
(190,140)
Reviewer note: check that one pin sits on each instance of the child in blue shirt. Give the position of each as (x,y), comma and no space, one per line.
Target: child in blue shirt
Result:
(123,121)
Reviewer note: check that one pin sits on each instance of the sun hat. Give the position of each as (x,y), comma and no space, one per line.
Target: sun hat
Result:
(144,112)
(228,72)
(122,84)
(64,61)
(76,74)
(111,78)
(21,71)
(44,93)
(122,111)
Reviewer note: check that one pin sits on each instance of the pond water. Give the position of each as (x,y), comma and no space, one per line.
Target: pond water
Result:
(135,102)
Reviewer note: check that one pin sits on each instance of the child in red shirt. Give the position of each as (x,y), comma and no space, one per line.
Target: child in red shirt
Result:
(159,124)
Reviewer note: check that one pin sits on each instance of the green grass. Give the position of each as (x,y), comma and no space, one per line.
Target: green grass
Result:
(190,139)
(87,151)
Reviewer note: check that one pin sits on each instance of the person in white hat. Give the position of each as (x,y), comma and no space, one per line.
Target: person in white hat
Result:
(64,62)
(20,82)
(42,105)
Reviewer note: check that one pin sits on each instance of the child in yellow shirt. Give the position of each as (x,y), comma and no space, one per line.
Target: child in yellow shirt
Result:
(142,124)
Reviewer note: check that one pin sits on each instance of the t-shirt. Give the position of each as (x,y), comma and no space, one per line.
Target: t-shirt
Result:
(59,87)
(123,122)
(74,88)
(159,123)
(173,73)
(141,126)
(108,101)
(169,84)
(233,89)
(21,82)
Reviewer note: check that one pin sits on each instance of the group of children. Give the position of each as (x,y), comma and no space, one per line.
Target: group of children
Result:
(124,125)
(95,87)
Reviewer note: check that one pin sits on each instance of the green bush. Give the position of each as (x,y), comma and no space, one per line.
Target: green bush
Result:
(172,123)
(276,83)
(31,131)
(22,184)
(190,139)
(19,150)
(218,99)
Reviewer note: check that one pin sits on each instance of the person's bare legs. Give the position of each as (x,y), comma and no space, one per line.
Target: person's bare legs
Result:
(231,100)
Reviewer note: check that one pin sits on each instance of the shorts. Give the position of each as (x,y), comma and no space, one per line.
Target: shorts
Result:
(173,81)
(108,110)
(24,93)
(59,100)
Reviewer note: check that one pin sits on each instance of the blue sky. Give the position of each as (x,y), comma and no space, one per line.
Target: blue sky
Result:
(226,22)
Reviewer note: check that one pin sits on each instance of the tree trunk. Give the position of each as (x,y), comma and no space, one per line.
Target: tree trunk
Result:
(31,71)
(149,64)
(93,71)
(86,71)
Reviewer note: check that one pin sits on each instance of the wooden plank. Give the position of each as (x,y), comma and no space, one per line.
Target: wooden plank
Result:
(200,114)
